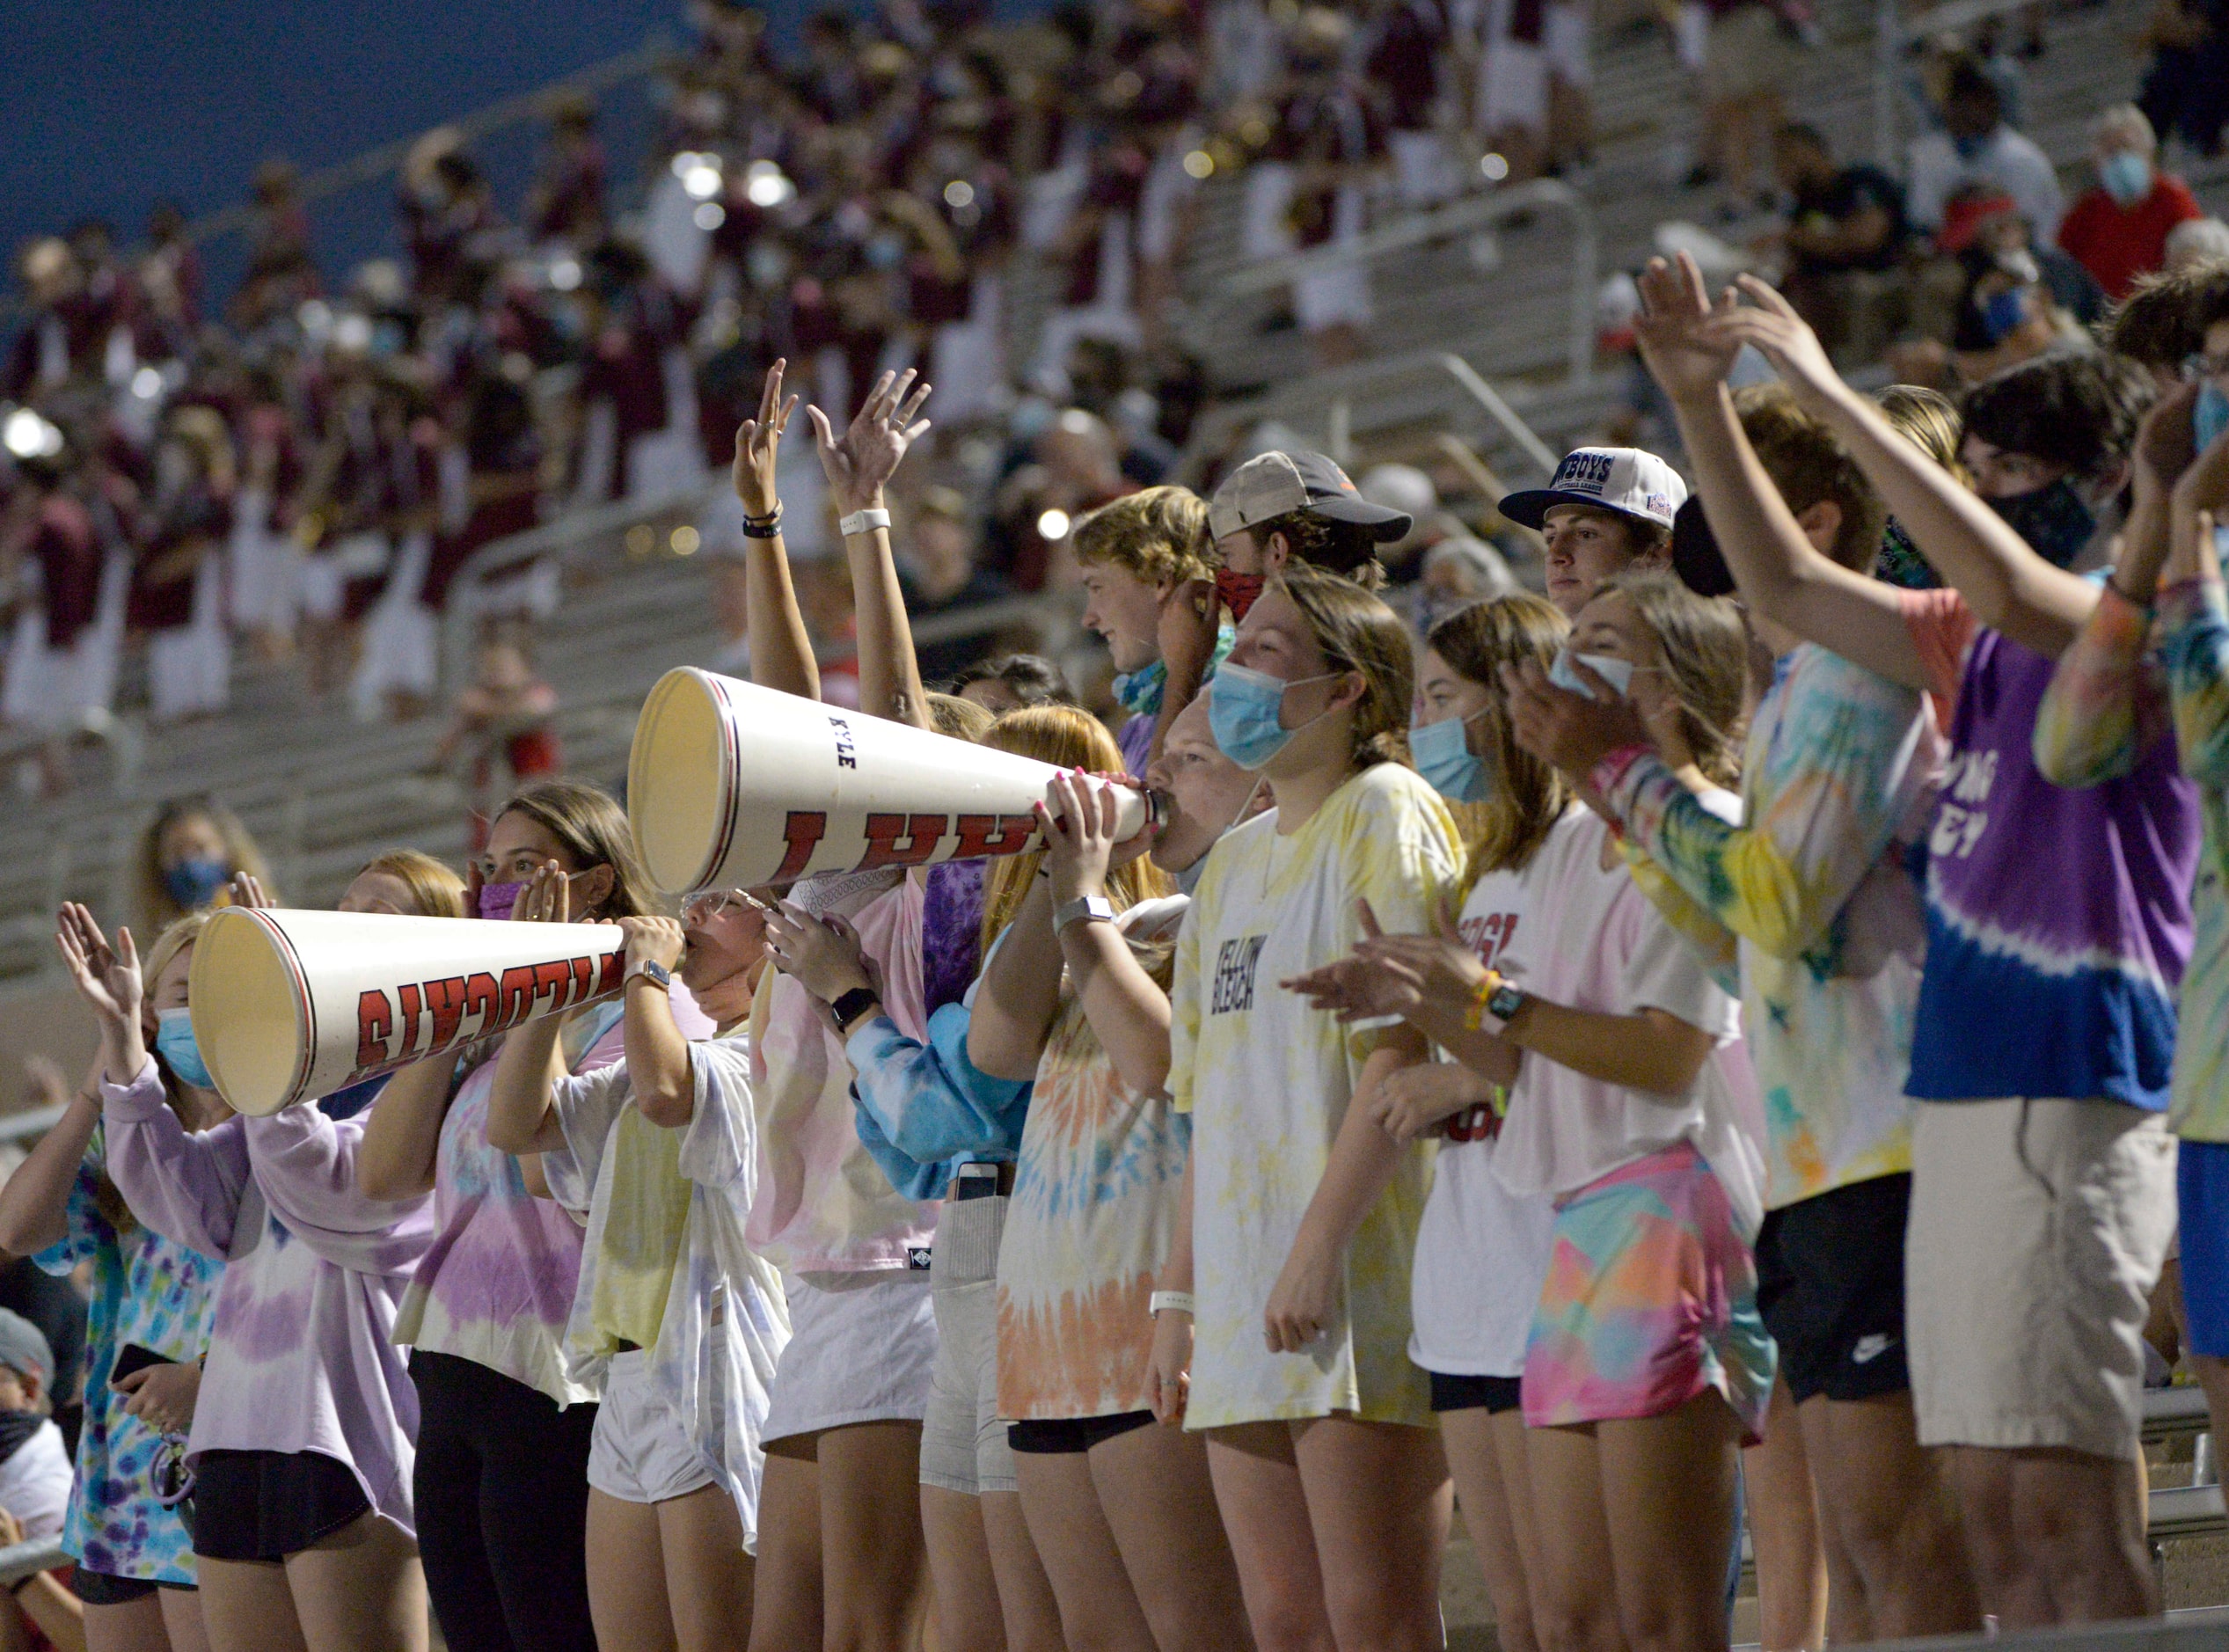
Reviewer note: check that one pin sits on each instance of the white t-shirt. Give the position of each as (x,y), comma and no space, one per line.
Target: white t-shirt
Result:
(1268,1081)
(1934,170)
(34,1483)
(1482,1251)
(1596,943)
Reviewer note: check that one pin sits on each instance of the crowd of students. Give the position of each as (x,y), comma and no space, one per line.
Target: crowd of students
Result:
(1703,1033)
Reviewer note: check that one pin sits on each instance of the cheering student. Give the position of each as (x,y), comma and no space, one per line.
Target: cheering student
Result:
(1481,1251)
(1604,510)
(1836,782)
(1280,508)
(840,1561)
(1146,565)
(2058,923)
(301,1443)
(150,1294)
(505,1427)
(657,1154)
(1296,1227)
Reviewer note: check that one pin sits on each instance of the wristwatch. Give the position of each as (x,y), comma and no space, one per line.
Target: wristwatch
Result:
(644,968)
(1091,909)
(848,1007)
(1503,1002)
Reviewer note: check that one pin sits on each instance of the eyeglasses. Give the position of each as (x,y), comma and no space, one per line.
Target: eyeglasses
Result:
(706,904)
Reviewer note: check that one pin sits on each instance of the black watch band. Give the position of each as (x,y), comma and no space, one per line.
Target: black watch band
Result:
(847,1007)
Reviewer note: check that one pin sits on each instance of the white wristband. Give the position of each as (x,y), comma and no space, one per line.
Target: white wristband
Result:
(863,522)
(1179,1300)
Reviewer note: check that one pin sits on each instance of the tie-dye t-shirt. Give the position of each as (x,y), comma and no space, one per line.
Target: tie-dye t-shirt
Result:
(1088,1228)
(157,1293)
(2058,916)
(1836,782)
(497,1287)
(2195,624)
(1268,1081)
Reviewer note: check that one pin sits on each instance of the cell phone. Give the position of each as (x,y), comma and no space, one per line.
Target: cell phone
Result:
(134,1357)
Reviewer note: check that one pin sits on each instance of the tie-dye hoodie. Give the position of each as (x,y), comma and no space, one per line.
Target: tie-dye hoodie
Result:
(300,1356)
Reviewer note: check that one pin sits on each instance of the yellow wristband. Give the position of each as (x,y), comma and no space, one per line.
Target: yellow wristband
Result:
(1475,1016)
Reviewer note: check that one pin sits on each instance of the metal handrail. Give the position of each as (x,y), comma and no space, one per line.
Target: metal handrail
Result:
(1477,212)
(1500,410)
(15,1128)
(19,1560)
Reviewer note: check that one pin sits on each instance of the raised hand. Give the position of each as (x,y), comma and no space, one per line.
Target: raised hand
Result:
(758,443)
(1568,731)
(650,940)
(822,955)
(864,459)
(1786,338)
(108,979)
(247,890)
(547,897)
(1678,352)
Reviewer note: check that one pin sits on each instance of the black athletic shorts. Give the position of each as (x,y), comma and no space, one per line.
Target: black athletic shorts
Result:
(1830,1285)
(1055,1437)
(267,1505)
(99,1589)
(1491,1394)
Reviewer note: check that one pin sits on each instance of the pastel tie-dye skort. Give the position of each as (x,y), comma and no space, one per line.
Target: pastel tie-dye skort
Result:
(1650,1299)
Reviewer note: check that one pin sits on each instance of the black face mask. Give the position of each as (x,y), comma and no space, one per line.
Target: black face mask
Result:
(2053,519)
(1900,562)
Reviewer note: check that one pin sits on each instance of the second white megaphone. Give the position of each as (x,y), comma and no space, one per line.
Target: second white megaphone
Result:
(732,786)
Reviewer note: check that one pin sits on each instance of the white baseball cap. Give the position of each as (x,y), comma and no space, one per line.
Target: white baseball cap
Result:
(1627,480)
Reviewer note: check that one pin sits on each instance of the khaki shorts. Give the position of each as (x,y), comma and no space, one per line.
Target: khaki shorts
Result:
(2037,1231)
(1749,55)
(963,1442)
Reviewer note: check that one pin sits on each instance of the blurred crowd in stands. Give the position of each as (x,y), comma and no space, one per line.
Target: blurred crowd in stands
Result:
(308,468)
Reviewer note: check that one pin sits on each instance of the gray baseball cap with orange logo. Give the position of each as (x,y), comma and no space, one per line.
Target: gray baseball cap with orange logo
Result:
(1279,484)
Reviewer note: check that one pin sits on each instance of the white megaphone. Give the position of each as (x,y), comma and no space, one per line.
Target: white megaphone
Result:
(291,1005)
(731,785)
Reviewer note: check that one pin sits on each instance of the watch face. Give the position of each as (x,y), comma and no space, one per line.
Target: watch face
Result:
(1505,1002)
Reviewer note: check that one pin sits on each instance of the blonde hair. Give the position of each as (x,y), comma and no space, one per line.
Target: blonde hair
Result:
(1929,420)
(1159,533)
(1067,738)
(592,828)
(1355,632)
(1706,650)
(156,909)
(1529,796)
(959,719)
(436,891)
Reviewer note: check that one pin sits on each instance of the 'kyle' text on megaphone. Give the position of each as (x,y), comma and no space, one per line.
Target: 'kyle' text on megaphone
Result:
(732,786)
(291,1005)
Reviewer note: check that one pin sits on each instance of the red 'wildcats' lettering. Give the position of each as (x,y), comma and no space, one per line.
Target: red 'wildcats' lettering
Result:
(457,1007)
(802,833)
(922,834)
(445,1001)
(375,1025)
(982,834)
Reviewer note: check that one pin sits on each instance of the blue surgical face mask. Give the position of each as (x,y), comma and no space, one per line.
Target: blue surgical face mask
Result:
(2002,313)
(2125,176)
(2211,416)
(174,1038)
(1444,757)
(194,883)
(1244,711)
(1618,673)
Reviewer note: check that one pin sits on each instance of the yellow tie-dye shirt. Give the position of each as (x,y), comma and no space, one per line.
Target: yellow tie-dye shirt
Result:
(1268,1081)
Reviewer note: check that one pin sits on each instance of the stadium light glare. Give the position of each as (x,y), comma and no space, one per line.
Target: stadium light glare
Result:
(147,383)
(1053,525)
(766,186)
(1199,163)
(709,216)
(28,437)
(1493,166)
(565,274)
(702,181)
(958,195)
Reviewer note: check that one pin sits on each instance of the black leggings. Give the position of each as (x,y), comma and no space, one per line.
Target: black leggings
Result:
(501,1489)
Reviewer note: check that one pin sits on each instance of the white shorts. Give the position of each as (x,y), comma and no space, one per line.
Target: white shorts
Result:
(2036,1234)
(963,1442)
(641,1452)
(1564,36)
(862,1349)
